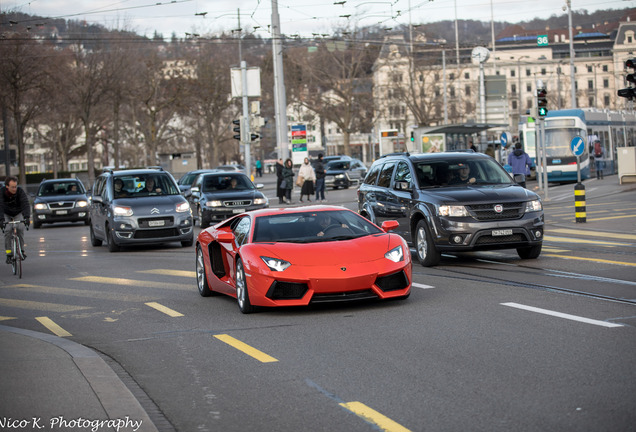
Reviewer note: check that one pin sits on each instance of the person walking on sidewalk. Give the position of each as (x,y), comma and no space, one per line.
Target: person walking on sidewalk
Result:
(520,162)
(280,192)
(598,159)
(288,180)
(306,178)
(14,206)
(319,169)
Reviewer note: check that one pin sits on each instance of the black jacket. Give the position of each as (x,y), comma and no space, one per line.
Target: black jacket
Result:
(13,205)
(319,168)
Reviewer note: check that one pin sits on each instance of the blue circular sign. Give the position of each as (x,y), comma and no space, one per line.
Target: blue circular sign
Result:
(505,138)
(577,146)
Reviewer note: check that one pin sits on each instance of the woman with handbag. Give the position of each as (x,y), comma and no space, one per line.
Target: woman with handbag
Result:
(288,180)
(306,178)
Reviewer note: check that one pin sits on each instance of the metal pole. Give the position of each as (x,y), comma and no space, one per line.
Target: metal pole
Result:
(280,100)
(544,161)
(492,31)
(456,36)
(246,134)
(445,90)
(572,80)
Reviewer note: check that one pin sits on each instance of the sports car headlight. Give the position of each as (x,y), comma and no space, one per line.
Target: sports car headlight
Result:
(534,205)
(81,204)
(395,254)
(452,210)
(275,264)
(214,203)
(259,201)
(122,211)
(183,207)
(40,206)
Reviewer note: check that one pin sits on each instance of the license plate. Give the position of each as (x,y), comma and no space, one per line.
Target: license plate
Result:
(504,232)
(61,212)
(238,211)
(156,223)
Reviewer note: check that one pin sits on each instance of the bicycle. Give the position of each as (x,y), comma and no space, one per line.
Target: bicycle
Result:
(16,247)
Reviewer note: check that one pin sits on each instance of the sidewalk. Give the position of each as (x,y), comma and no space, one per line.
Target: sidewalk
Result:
(53,383)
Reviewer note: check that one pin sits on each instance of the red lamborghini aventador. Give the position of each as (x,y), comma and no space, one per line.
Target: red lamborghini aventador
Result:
(298,256)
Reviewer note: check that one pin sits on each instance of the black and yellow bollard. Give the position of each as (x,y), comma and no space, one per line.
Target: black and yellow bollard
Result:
(579,203)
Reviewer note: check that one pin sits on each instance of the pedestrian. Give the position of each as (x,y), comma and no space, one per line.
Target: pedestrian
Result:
(14,206)
(306,178)
(472,146)
(288,180)
(280,191)
(259,168)
(520,162)
(319,169)
(490,151)
(598,159)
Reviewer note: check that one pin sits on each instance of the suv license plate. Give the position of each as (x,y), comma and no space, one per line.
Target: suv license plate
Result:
(61,212)
(238,211)
(502,232)
(156,223)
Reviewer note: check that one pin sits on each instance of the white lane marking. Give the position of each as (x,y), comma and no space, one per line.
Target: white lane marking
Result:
(562,315)
(417,285)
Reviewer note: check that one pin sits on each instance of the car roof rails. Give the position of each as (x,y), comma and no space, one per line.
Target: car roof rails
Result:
(107,170)
(158,168)
(396,154)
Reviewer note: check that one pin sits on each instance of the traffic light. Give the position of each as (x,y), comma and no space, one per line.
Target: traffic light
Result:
(237,129)
(254,136)
(630,78)
(412,136)
(542,102)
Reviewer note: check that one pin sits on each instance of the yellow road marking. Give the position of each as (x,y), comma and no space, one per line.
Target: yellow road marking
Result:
(554,250)
(80,293)
(132,282)
(609,218)
(164,309)
(594,233)
(591,259)
(372,416)
(51,307)
(4,318)
(56,329)
(180,273)
(250,351)
(573,240)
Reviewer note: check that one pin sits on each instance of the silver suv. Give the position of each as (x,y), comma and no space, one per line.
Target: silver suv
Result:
(141,206)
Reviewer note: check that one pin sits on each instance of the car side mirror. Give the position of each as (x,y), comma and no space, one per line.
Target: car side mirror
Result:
(225,237)
(390,225)
(194,189)
(260,186)
(97,199)
(402,186)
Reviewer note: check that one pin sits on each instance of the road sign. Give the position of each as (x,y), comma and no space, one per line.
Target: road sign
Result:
(542,40)
(577,145)
(505,139)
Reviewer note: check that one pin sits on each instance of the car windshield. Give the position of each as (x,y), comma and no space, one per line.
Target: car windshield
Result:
(140,185)
(226,183)
(311,227)
(453,172)
(60,188)
(338,165)
(187,179)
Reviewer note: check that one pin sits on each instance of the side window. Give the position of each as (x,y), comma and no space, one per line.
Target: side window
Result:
(372,175)
(386,174)
(241,231)
(99,186)
(403,173)
(107,192)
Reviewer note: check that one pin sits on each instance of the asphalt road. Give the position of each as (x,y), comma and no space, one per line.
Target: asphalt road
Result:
(486,342)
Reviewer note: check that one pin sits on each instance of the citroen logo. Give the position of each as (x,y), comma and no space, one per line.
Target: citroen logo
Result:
(498,208)
(155,210)
(343,268)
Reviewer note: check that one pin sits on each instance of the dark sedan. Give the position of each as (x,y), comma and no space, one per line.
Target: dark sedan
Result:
(60,200)
(217,196)
(343,173)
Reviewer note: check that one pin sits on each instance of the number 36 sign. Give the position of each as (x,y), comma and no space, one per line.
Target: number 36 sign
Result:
(542,40)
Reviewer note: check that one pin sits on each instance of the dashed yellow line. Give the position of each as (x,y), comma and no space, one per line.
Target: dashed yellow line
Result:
(161,308)
(167,272)
(598,260)
(250,351)
(132,282)
(56,329)
(42,306)
(594,233)
(372,416)
(4,318)
(577,240)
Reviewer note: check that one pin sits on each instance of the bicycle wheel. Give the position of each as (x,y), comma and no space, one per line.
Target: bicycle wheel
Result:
(14,247)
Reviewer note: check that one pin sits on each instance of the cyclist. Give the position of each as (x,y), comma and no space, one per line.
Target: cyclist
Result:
(14,205)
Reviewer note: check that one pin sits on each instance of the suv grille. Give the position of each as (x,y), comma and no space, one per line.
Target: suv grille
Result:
(58,205)
(241,203)
(156,233)
(486,212)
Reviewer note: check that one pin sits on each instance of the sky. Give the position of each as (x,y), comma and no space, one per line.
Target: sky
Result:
(305,18)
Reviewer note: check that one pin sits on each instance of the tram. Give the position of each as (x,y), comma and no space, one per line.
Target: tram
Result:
(612,128)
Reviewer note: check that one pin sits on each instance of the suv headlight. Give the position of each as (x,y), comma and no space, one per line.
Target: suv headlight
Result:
(259,201)
(452,210)
(275,264)
(183,207)
(214,203)
(122,211)
(534,205)
(81,203)
(40,206)
(395,254)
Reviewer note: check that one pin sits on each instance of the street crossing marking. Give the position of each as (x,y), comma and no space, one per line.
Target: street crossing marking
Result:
(596,260)
(164,309)
(574,240)
(133,282)
(422,286)
(374,417)
(42,306)
(594,233)
(80,293)
(250,351)
(53,327)
(167,272)
(562,315)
